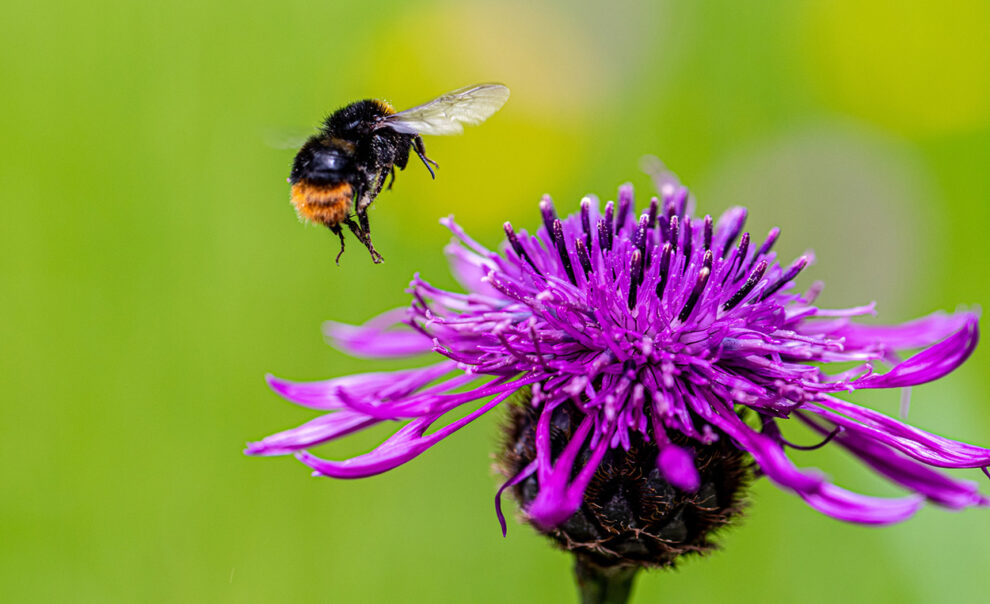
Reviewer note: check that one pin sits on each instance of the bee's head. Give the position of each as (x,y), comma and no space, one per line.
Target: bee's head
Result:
(321,163)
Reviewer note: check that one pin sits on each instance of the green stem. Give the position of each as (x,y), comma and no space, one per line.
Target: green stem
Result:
(603,584)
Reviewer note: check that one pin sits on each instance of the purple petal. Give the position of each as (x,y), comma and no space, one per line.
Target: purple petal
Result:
(925,447)
(771,458)
(325,394)
(934,485)
(816,491)
(401,447)
(766,451)
(677,466)
(464,237)
(437,399)
(913,334)
(385,336)
(322,429)
(929,364)
(521,476)
(470,269)
(559,496)
(853,507)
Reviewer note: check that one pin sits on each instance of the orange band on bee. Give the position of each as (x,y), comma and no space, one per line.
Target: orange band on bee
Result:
(328,205)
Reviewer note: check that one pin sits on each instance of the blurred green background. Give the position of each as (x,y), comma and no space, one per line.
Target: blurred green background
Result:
(152,271)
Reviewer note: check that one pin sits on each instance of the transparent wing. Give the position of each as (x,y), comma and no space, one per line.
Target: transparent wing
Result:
(285,138)
(447,114)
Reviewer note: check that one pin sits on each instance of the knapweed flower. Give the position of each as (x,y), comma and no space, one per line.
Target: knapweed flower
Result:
(656,357)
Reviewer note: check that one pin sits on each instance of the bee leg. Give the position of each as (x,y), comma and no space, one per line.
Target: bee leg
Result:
(336,230)
(420,149)
(362,208)
(362,214)
(379,185)
(365,238)
(364,202)
(391,171)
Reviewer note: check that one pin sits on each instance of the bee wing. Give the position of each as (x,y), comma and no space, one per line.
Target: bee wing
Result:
(447,114)
(285,138)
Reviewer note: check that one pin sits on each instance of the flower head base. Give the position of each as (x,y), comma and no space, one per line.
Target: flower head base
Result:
(657,328)
(631,515)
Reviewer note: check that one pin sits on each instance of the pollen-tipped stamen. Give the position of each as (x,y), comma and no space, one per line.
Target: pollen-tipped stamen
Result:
(549,214)
(675,231)
(604,236)
(517,247)
(665,255)
(625,204)
(747,287)
(565,258)
(642,238)
(792,272)
(708,232)
(739,258)
(586,220)
(653,211)
(609,215)
(663,223)
(688,243)
(583,256)
(641,233)
(635,276)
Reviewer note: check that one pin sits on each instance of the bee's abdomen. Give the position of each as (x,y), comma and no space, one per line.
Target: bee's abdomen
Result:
(325,204)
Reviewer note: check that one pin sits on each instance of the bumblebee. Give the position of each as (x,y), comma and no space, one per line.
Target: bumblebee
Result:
(340,171)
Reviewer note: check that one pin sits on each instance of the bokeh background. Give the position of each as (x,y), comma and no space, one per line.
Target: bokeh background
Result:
(152,271)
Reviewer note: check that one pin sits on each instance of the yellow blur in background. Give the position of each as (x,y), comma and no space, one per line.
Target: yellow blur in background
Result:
(152,271)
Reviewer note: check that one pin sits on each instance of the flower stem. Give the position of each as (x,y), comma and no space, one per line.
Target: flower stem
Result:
(603,584)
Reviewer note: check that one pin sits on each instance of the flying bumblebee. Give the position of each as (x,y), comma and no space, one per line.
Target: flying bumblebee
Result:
(343,167)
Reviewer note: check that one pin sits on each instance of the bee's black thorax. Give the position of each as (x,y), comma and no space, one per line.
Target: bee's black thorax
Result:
(349,148)
(356,120)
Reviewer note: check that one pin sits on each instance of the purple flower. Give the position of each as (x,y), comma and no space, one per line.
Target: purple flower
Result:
(664,328)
